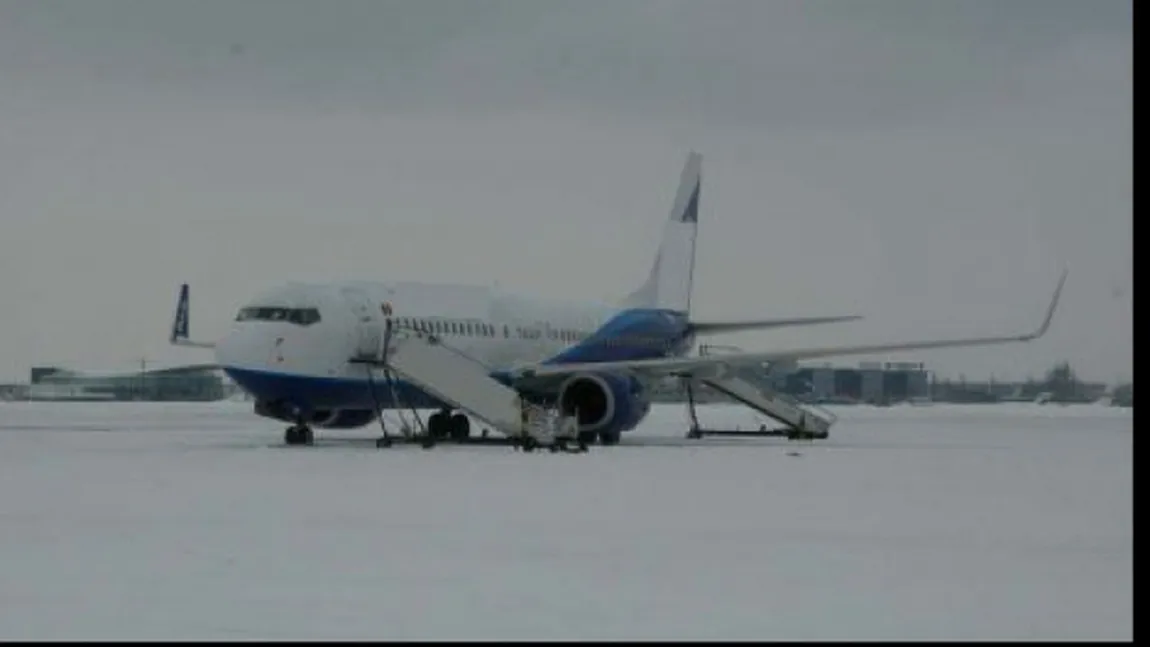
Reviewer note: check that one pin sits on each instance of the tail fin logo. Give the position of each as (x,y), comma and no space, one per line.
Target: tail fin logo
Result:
(180,323)
(691,213)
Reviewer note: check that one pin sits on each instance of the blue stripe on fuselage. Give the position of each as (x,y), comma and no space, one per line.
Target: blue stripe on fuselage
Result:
(629,335)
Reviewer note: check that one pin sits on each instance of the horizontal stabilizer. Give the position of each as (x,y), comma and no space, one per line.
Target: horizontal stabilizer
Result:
(719,327)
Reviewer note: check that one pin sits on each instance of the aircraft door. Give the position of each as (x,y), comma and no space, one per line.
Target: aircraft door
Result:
(368,330)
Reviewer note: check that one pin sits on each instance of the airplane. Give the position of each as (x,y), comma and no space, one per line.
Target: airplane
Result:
(293,348)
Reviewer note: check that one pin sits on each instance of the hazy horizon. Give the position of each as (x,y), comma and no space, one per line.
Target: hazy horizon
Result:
(930,164)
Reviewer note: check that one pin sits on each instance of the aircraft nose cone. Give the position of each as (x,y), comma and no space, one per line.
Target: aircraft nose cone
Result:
(245,355)
(249,347)
(226,350)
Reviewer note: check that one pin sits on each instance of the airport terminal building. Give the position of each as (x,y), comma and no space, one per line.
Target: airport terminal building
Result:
(161,385)
(869,382)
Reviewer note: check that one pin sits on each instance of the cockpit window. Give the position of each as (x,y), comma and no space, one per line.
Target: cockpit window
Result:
(298,316)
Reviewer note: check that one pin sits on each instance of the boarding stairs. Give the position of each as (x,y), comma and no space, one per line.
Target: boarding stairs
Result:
(466,384)
(799,420)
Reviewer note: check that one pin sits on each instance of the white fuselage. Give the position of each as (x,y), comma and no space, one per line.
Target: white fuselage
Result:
(498,329)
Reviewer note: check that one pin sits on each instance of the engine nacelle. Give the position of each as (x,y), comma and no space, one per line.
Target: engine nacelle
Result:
(322,419)
(604,402)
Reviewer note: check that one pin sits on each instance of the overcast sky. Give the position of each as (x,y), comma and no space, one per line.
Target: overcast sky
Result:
(929,164)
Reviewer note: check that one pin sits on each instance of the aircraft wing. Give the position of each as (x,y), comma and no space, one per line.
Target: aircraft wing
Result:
(705,366)
(718,327)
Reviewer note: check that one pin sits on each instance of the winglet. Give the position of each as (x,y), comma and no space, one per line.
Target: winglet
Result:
(180,322)
(1050,311)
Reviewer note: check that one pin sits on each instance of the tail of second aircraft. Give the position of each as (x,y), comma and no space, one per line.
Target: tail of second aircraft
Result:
(180,321)
(178,336)
(668,286)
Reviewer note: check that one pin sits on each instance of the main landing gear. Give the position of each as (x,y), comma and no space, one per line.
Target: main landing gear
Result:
(299,434)
(444,425)
(441,426)
(449,427)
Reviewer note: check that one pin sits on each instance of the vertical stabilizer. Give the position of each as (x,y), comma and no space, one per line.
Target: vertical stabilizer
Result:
(668,286)
(180,321)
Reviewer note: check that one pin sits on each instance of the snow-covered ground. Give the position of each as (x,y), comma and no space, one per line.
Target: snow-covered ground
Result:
(190,521)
